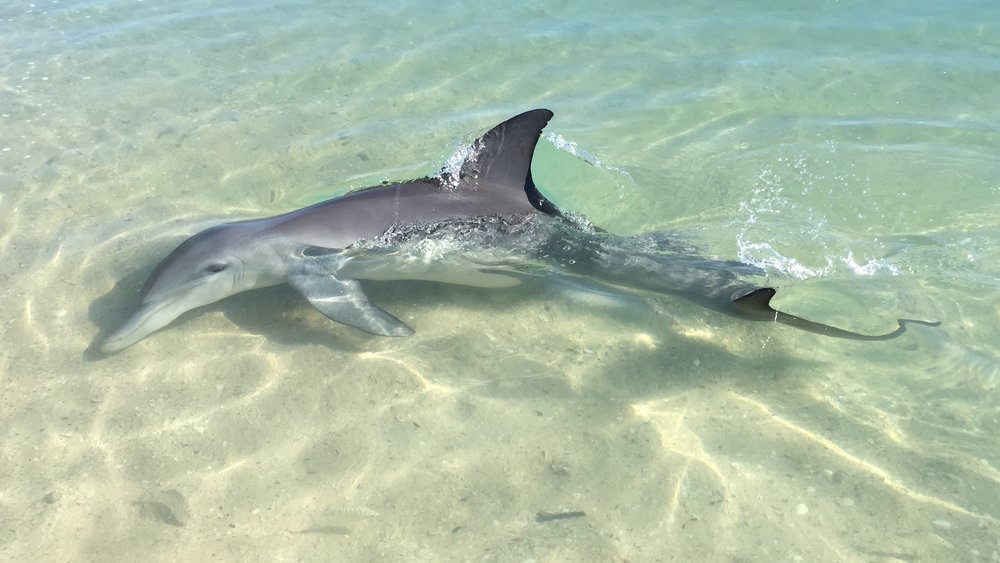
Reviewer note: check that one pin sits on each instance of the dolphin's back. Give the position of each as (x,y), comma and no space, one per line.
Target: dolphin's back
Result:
(494,180)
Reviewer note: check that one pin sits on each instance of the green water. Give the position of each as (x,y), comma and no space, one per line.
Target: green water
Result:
(849,148)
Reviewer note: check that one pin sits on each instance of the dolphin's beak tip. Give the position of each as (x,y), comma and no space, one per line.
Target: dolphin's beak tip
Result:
(108,344)
(106,347)
(96,350)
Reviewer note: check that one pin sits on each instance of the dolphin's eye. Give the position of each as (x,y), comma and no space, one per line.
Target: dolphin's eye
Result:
(216,268)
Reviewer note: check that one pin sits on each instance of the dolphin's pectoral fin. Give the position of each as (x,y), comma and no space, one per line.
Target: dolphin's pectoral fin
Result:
(756,305)
(344,302)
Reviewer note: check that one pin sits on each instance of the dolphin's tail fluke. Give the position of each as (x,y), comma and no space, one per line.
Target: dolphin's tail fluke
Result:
(756,305)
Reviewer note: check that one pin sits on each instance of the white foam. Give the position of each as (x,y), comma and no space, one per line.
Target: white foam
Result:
(452,168)
(869,268)
(765,256)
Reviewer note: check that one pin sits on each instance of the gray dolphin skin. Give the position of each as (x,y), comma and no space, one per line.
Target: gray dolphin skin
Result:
(484,225)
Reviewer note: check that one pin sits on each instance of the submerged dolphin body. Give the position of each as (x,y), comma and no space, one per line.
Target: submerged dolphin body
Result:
(484,225)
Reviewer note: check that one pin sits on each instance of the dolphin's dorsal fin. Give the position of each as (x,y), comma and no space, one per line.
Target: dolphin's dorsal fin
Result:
(756,305)
(502,156)
(500,160)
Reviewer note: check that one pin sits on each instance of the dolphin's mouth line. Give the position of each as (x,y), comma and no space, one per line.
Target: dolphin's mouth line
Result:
(140,318)
(133,325)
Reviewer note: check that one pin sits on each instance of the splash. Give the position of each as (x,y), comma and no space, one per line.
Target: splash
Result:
(451,172)
(871,267)
(766,257)
(769,203)
(560,142)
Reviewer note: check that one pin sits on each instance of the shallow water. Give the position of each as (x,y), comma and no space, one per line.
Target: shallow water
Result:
(850,149)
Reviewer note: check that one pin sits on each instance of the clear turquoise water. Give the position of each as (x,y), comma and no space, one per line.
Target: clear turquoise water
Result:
(850,148)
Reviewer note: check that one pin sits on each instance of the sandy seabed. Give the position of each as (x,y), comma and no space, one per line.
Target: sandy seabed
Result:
(511,427)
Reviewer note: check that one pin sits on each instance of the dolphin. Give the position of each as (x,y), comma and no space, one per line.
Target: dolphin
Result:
(482,223)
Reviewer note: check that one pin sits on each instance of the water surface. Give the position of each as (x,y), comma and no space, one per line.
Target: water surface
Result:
(850,149)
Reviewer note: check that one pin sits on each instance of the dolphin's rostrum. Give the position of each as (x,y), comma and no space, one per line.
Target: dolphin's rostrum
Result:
(484,225)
